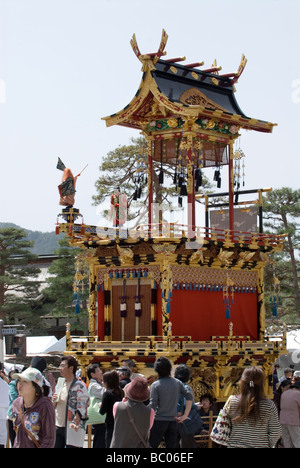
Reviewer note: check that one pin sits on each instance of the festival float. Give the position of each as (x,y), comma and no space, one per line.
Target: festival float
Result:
(194,291)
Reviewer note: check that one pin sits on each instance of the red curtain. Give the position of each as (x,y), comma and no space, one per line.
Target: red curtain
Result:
(201,314)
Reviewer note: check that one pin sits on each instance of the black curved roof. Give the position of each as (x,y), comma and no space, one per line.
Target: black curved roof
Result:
(173,80)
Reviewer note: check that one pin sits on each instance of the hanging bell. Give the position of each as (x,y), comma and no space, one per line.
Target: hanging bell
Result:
(216,175)
(161,176)
(183,190)
(199,178)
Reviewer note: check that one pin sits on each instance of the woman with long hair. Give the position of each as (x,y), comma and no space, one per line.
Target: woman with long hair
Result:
(112,394)
(254,418)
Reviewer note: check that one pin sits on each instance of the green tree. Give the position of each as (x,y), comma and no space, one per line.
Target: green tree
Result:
(120,168)
(282,216)
(19,286)
(60,295)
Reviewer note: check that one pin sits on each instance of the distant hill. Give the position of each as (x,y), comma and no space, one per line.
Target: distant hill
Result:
(44,242)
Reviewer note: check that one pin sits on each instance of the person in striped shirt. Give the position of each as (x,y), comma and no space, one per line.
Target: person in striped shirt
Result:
(254,418)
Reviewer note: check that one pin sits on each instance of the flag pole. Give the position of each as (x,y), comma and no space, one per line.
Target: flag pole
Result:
(83,170)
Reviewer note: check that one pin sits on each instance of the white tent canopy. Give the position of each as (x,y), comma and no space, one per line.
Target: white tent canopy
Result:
(39,344)
(293,340)
(58,347)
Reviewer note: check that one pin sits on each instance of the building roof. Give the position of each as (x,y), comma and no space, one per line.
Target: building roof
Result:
(171,90)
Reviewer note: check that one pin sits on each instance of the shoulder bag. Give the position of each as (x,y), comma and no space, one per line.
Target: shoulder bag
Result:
(27,431)
(131,419)
(94,416)
(222,427)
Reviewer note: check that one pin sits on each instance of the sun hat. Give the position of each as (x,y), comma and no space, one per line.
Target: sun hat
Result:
(31,375)
(137,390)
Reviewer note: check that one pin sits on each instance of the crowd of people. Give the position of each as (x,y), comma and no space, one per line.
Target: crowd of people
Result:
(126,410)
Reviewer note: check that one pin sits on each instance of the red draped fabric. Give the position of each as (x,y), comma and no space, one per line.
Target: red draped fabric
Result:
(201,314)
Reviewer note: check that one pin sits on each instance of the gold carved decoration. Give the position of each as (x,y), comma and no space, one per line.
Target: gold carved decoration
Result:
(125,254)
(166,285)
(149,61)
(194,97)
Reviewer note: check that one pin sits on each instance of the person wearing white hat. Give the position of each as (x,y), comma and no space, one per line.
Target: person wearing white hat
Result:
(33,412)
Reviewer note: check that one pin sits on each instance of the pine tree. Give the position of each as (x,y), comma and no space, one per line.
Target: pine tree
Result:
(59,294)
(19,286)
(282,214)
(120,169)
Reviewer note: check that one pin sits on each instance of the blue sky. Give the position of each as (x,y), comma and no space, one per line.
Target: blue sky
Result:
(64,64)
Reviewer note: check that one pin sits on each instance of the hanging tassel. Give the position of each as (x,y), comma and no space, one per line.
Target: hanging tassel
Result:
(123,307)
(138,305)
(180,202)
(138,309)
(77,308)
(227,312)
(274,310)
(219,182)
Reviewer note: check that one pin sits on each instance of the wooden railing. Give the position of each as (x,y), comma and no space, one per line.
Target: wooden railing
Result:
(173,231)
(203,440)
